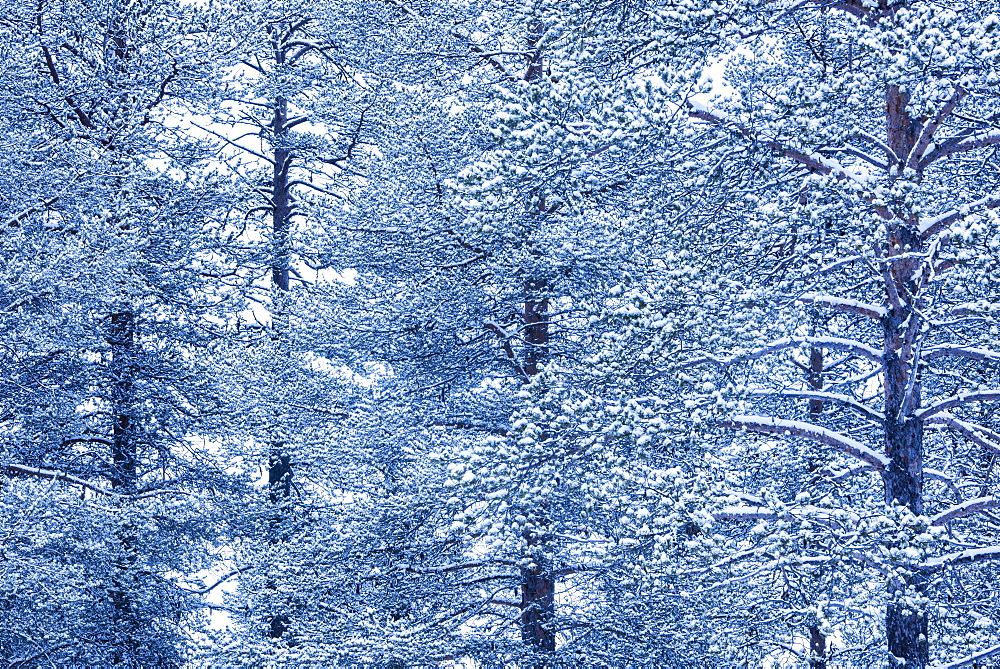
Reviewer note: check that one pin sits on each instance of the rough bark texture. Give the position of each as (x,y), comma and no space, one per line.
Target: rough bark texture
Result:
(817,640)
(817,648)
(538,585)
(279,462)
(121,337)
(537,608)
(906,631)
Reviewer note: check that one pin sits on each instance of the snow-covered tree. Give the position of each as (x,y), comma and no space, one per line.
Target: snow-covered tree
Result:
(845,292)
(104,331)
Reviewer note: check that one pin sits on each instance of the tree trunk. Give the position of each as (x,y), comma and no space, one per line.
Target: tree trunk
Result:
(817,640)
(120,335)
(817,648)
(279,474)
(538,586)
(906,630)
(538,604)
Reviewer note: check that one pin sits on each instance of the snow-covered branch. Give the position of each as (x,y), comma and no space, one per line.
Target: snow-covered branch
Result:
(966,509)
(67,478)
(977,434)
(959,400)
(744,513)
(845,306)
(826,397)
(971,660)
(815,433)
(930,127)
(964,557)
(931,226)
(959,351)
(833,343)
(811,161)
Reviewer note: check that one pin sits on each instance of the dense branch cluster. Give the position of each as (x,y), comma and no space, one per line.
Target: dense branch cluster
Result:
(475,333)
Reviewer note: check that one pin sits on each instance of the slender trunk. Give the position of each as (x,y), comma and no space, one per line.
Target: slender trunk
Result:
(538,585)
(906,629)
(817,640)
(120,335)
(279,474)
(281,200)
(817,648)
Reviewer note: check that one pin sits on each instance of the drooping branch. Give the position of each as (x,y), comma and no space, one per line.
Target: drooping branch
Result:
(815,433)
(968,508)
(51,474)
(977,434)
(826,397)
(959,400)
(844,306)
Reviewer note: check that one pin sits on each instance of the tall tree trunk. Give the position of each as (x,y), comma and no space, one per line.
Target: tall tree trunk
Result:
(906,630)
(121,335)
(279,475)
(538,585)
(817,640)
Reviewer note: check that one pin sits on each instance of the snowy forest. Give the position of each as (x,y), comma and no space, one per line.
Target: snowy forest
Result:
(483,333)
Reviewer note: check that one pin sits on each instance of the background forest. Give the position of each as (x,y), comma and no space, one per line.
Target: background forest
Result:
(421,333)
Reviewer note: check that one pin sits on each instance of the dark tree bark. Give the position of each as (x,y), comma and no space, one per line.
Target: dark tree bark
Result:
(817,648)
(538,585)
(817,640)
(906,631)
(282,205)
(121,336)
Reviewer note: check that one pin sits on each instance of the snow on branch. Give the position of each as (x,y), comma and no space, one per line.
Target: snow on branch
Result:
(768,425)
(971,660)
(958,400)
(966,509)
(67,478)
(964,557)
(738,513)
(828,397)
(811,161)
(832,343)
(977,434)
(845,306)
(960,351)
(931,226)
